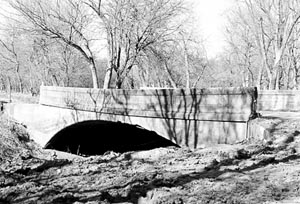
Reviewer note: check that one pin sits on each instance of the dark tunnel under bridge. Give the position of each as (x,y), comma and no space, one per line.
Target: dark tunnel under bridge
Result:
(95,137)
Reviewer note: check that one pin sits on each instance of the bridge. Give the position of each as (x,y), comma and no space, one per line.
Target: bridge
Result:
(279,103)
(187,117)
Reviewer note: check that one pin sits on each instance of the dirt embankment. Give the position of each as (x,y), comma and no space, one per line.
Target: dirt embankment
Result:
(261,172)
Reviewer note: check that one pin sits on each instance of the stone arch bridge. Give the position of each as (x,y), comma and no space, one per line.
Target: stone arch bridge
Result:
(188,117)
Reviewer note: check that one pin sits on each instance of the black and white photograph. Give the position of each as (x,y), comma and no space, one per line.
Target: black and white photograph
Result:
(150,101)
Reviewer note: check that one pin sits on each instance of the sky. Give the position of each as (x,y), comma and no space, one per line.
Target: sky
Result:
(210,20)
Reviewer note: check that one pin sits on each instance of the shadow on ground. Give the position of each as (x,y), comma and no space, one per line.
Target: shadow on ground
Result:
(140,187)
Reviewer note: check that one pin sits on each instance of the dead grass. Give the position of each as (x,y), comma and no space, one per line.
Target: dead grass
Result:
(14,140)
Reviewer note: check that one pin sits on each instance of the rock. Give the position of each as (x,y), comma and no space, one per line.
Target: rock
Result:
(283,140)
(55,154)
(20,131)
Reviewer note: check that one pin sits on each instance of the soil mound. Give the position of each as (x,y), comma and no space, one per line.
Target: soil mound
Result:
(14,140)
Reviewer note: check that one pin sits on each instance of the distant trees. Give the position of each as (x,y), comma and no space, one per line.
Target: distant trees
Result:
(57,64)
(138,43)
(65,20)
(265,31)
(101,43)
(11,58)
(28,60)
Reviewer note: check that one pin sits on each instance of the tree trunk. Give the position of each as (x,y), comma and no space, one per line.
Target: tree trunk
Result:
(288,76)
(295,72)
(20,82)
(54,80)
(110,52)
(9,89)
(93,70)
(170,78)
(31,79)
(118,83)
(259,78)
(295,77)
(187,66)
(277,82)
(108,74)
(66,80)
(3,86)
(272,82)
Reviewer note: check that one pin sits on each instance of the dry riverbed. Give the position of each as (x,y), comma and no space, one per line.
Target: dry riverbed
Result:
(265,171)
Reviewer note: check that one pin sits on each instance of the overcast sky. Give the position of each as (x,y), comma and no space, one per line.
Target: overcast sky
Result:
(211,19)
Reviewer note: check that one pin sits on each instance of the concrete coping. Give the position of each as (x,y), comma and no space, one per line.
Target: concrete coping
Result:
(162,91)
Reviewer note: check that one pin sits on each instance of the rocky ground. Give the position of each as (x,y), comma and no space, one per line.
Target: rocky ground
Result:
(264,171)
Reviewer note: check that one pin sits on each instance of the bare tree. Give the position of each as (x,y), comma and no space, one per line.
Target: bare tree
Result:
(131,27)
(12,57)
(272,23)
(64,20)
(293,60)
(243,49)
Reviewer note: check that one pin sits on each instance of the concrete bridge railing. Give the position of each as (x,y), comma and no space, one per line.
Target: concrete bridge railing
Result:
(189,117)
(279,100)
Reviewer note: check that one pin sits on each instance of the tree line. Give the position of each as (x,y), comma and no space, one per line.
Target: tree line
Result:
(133,43)
(263,37)
(99,43)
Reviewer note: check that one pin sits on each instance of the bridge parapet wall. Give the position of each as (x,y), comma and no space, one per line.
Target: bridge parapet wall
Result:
(279,100)
(189,117)
(232,104)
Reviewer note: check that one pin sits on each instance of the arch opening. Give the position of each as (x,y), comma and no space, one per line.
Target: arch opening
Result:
(95,137)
